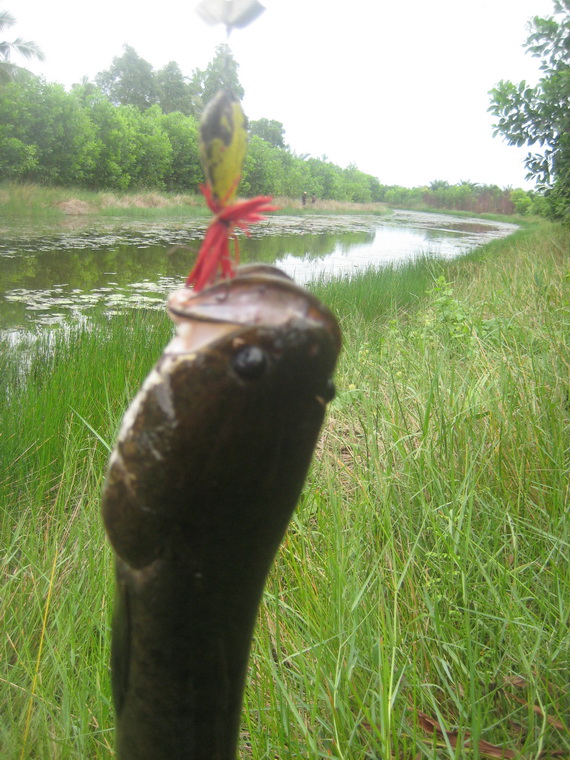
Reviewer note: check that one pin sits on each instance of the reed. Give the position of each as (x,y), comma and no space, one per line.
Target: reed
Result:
(421,597)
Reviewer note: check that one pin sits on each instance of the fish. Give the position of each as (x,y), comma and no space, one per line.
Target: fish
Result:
(209,464)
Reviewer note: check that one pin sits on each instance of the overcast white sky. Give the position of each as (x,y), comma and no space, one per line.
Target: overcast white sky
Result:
(398,87)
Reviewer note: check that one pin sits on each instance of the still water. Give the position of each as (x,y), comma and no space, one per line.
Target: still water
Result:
(53,273)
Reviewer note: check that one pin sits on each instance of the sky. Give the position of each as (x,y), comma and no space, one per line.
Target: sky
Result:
(399,88)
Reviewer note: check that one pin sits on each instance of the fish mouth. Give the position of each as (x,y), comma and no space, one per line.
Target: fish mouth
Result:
(260,295)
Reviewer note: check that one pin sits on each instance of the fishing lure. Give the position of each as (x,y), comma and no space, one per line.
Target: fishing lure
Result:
(235,14)
(223,143)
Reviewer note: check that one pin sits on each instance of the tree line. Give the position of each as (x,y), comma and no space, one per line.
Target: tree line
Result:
(466,196)
(134,127)
(82,138)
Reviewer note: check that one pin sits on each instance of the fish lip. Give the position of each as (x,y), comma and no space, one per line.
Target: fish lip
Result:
(258,296)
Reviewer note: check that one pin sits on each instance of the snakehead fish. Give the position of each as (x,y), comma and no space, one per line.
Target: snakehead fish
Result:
(208,466)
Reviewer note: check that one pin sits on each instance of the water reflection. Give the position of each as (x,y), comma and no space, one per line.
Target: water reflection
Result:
(404,237)
(49,274)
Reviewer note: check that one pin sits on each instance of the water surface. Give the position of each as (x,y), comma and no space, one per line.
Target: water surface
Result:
(50,273)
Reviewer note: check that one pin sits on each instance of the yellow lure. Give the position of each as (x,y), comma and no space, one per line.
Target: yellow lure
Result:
(223,143)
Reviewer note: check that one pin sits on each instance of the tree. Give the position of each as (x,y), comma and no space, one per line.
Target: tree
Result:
(269,130)
(220,74)
(117,143)
(45,133)
(327,180)
(152,149)
(185,172)
(262,171)
(29,50)
(356,184)
(130,81)
(173,90)
(541,114)
(521,201)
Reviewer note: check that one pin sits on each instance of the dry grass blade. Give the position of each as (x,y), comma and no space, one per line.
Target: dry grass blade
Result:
(521,683)
(431,726)
(538,711)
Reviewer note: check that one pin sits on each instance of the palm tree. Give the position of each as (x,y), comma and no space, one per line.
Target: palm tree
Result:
(8,70)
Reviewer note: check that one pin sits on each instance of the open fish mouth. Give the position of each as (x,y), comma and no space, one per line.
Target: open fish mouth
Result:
(259,295)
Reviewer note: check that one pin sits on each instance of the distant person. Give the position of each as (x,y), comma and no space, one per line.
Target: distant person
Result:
(313,199)
(304,198)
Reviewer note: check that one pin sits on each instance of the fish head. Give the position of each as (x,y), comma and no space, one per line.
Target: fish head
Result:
(223,429)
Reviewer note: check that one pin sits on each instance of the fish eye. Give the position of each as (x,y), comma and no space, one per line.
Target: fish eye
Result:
(249,362)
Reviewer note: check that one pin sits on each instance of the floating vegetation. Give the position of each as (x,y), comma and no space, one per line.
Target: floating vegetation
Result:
(52,273)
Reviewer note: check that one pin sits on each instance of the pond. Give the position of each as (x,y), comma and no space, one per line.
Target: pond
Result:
(51,273)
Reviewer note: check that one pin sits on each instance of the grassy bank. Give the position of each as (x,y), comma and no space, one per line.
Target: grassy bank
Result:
(524,221)
(35,201)
(323,206)
(39,202)
(421,598)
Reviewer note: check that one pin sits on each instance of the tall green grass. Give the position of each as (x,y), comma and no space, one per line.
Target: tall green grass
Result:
(421,597)
(64,396)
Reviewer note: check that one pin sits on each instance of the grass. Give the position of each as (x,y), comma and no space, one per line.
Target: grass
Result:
(19,200)
(523,221)
(27,200)
(324,206)
(419,605)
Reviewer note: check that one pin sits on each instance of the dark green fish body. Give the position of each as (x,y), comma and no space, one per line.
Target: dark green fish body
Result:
(209,464)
